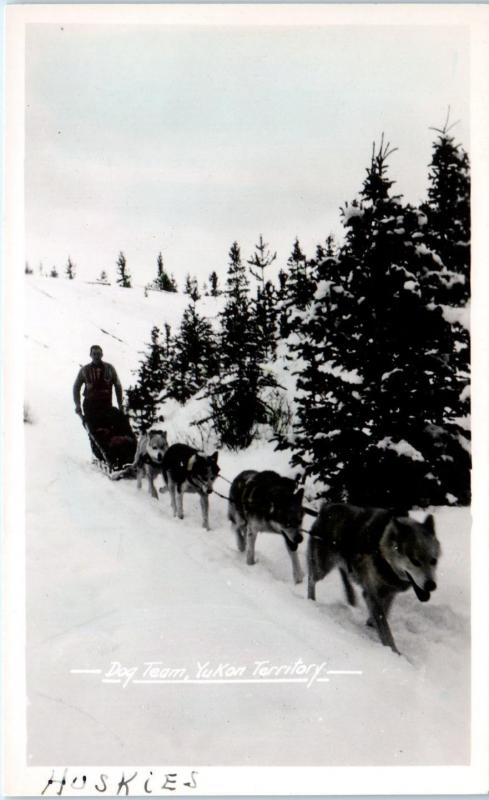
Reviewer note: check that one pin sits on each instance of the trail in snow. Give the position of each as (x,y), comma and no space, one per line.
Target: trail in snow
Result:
(112,577)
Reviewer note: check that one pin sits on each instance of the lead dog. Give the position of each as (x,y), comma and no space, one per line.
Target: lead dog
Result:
(187,470)
(265,501)
(148,460)
(383,553)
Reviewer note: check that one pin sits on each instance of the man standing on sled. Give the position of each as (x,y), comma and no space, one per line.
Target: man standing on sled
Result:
(111,437)
(99,378)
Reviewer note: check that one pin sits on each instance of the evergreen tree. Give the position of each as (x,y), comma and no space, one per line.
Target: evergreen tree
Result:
(331,249)
(265,320)
(194,356)
(324,259)
(70,269)
(260,260)
(264,303)
(329,430)
(281,309)
(143,398)
(163,281)
(214,284)
(123,276)
(445,248)
(192,288)
(54,272)
(236,396)
(28,270)
(378,394)
(298,290)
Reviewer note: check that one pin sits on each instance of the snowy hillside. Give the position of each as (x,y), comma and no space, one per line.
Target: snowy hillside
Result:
(112,577)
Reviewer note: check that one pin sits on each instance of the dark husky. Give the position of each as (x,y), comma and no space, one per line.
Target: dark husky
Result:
(383,553)
(264,501)
(148,460)
(186,470)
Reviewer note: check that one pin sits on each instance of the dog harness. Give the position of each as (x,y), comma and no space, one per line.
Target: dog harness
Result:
(387,573)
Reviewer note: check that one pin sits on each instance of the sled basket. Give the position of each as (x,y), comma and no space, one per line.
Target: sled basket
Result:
(112,441)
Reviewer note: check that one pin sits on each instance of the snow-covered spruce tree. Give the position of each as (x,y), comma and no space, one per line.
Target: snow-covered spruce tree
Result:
(214,284)
(446,235)
(236,395)
(328,250)
(54,272)
(443,251)
(329,431)
(264,303)
(386,365)
(280,306)
(443,247)
(143,398)
(163,282)
(192,288)
(123,276)
(265,314)
(298,289)
(70,271)
(195,357)
(260,260)
(413,388)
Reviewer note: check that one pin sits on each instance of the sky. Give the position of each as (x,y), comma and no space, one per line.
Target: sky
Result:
(149,138)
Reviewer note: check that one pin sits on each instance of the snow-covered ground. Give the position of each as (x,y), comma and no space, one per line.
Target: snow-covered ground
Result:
(112,577)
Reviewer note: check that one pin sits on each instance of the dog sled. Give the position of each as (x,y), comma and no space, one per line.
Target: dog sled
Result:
(113,442)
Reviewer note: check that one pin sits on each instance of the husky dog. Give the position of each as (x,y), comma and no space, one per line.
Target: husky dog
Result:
(186,470)
(264,501)
(383,553)
(148,460)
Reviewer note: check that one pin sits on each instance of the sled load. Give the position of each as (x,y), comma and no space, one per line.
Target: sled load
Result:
(112,439)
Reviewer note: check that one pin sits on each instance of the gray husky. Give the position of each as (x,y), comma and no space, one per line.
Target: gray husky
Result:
(383,553)
(265,501)
(187,470)
(148,460)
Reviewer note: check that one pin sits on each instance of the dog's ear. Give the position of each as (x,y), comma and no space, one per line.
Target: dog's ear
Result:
(191,462)
(429,524)
(214,456)
(394,531)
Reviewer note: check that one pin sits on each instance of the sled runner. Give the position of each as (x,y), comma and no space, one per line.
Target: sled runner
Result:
(112,441)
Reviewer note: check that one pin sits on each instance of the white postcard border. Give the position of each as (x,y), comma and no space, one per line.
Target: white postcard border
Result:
(24,780)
